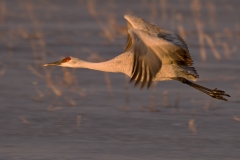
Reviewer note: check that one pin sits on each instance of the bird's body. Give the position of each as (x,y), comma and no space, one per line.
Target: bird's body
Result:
(123,64)
(152,54)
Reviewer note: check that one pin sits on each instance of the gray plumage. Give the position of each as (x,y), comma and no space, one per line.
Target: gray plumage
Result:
(153,47)
(152,54)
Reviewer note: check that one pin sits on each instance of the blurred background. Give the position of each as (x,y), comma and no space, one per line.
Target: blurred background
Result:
(62,113)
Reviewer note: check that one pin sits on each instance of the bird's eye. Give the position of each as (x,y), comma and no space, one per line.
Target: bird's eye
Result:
(66,60)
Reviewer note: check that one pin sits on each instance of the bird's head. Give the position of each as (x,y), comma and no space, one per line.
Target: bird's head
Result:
(66,62)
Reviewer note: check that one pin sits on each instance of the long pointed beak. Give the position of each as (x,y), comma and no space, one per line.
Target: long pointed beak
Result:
(53,63)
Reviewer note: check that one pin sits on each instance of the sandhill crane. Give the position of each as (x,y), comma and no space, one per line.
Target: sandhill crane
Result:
(152,54)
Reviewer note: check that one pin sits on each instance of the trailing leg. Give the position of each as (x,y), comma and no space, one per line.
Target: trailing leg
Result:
(218,94)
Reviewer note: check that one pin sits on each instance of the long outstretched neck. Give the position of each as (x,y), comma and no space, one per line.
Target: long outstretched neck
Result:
(107,66)
(117,64)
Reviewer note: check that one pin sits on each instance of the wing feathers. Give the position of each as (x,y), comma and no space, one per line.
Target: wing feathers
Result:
(129,43)
(151,50)
(139,78)
(135,70)
(144,76)
(146,63)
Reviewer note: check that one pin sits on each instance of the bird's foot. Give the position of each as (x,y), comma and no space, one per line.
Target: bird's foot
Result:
(218,94)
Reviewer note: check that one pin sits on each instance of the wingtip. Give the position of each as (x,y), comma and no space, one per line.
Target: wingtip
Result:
(127,16)
(131,80)
(143,85)
(136,84)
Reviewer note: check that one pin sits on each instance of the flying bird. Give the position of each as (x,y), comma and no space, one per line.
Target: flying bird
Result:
(152,54)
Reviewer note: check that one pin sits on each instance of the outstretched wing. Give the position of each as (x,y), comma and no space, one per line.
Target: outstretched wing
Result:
(150,52)
(173,38)
(181,56)
(146,63)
